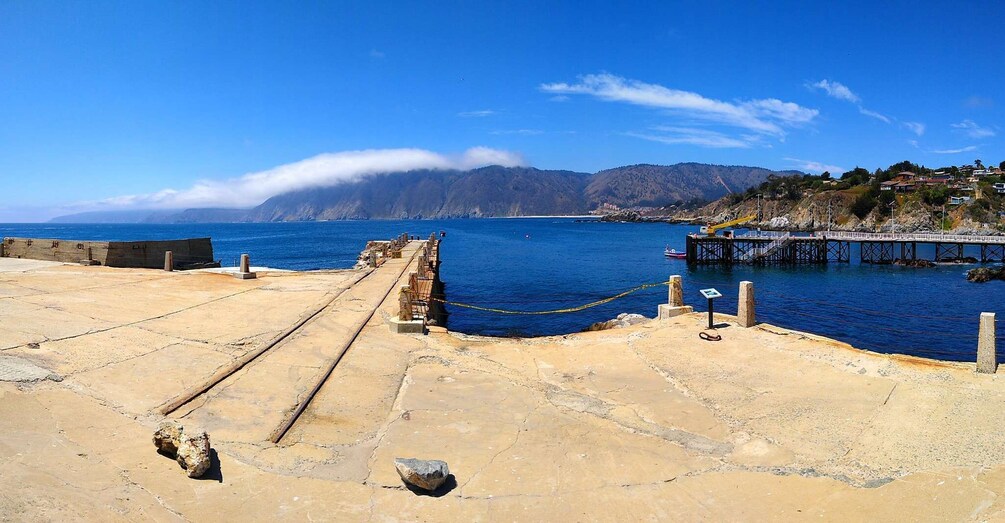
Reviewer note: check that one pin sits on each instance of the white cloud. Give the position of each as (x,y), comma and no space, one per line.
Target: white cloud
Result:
(320,171)
(836,90)
(874,114)
(691,136)
(477,114)
(917,128)
(971,129)
(966,149)
(815,167)
(767,116)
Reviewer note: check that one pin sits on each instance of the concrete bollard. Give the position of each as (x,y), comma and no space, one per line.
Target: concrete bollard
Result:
(244,269)
(987,357)
(168,261)
(675,300)
(745,305)
(405,304)
(675,294)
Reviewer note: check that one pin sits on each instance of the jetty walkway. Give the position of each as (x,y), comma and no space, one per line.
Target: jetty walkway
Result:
(821,247)
(648,422)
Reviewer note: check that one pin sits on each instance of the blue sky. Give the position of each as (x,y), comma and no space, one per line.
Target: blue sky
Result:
(109,105)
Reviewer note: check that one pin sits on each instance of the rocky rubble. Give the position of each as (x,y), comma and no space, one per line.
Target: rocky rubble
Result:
(623,320)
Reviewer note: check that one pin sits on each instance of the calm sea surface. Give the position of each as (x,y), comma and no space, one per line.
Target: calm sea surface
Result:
(545,263)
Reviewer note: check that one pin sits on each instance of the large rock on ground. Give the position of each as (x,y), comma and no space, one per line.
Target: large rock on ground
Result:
(193,453)
(425,474)
(190,449)
(167,437)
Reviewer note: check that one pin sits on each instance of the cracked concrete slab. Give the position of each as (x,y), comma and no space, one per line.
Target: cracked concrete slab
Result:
(643,423)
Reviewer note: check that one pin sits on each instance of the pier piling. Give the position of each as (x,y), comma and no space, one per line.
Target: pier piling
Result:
(168,261)
(987,358)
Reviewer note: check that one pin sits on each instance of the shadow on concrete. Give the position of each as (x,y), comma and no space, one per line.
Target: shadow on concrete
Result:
(447,486)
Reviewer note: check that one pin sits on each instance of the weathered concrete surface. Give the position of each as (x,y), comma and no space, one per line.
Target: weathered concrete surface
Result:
(642,423)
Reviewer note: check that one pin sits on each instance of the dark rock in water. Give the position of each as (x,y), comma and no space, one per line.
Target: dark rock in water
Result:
(965,259)
(914,263)
(425,474)
(986,274)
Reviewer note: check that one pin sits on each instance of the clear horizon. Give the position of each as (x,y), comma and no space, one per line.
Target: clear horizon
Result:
(120,106)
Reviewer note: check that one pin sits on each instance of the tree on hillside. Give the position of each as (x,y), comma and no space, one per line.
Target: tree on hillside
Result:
(862,205)
(978,164)
(856,176)
(826,175)
(1001,165)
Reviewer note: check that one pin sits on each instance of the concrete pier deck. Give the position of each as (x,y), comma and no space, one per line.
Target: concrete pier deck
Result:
(643,423)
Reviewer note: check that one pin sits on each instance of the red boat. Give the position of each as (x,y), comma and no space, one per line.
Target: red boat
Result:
(672,253)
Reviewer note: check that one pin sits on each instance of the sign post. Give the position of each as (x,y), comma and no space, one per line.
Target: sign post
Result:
(710,294)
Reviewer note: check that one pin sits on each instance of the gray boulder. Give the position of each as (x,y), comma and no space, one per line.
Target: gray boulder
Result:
(425,474)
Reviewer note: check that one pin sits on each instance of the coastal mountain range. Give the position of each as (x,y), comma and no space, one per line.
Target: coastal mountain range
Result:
(491,191)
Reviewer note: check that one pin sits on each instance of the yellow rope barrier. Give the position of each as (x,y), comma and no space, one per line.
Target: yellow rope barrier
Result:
(555,311)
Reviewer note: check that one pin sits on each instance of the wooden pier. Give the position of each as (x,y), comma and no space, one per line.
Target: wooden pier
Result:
(760,248)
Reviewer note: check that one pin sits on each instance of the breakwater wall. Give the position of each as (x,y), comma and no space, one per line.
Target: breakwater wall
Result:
(421,301)
(187,253)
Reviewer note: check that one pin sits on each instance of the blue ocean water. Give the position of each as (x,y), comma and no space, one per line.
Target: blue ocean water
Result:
(551,263)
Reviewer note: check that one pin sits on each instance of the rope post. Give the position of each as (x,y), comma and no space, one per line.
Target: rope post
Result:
(745,305)
(372,259)
(675,300)
(168,261)
(675,297)
(245,264)
(405,304)
(987,358)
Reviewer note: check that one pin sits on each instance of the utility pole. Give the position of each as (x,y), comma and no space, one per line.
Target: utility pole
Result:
(829,202)
(758,208)
(942,226)
(893,215)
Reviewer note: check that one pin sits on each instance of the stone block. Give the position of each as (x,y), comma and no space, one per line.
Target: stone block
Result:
(406,327)
(666,311)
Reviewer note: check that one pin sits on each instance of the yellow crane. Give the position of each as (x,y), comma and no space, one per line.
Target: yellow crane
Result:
(711,229)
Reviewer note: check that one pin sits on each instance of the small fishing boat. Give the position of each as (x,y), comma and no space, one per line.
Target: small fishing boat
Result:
(672,253)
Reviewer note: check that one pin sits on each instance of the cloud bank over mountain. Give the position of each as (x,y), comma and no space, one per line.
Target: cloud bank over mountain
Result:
(323,170)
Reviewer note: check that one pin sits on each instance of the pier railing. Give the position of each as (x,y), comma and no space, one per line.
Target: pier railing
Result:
(921,237)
